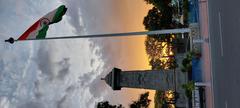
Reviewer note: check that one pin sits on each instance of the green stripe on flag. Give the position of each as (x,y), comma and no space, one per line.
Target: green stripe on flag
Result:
(59,13)
(43,32)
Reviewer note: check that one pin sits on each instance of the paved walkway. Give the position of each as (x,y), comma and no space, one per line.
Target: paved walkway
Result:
(204,31)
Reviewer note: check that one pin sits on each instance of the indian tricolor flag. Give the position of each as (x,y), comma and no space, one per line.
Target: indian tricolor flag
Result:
(39,29)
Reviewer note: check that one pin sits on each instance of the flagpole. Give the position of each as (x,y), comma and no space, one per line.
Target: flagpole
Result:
(166,31)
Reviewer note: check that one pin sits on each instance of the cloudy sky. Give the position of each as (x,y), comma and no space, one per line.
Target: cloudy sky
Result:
(66,73)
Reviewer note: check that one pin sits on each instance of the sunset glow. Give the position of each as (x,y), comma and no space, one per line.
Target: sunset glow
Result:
(166,52)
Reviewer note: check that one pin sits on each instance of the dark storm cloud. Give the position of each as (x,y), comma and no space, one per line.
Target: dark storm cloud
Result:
(1,65)
(94,82)
(43,61)
(96,19)
(92,61)
(86,78)
(70,89)
(60,103)
(64,68)
(108,50)
(37,92)
(32,104)
(96,86)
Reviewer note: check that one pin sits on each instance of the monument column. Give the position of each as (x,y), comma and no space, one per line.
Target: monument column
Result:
(145,79)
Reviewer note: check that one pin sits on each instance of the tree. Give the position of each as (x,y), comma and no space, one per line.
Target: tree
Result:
(188,87)
(160,4)
(159,99)
(105,104)
(185,11)
(153,46)
(187,62)
(156,20)
(165,6)
(142,102)
(159,54)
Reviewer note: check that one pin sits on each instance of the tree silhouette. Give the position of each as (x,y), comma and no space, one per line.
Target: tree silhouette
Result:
(153,47)
(160,4)
(142,102)
(159,54)
(156,20)
(105,104)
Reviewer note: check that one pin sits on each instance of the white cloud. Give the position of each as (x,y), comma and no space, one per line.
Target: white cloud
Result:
(48,61)
(4,102)
(61,73)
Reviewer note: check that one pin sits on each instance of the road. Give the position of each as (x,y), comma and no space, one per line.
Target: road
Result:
(224,31)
